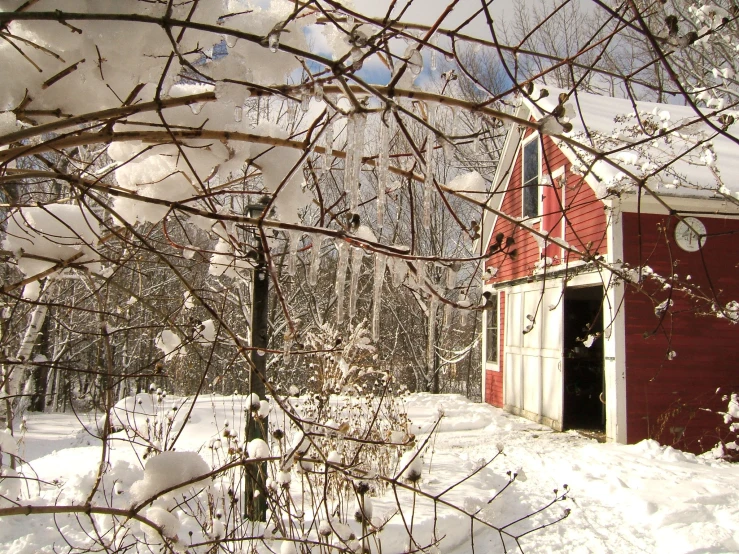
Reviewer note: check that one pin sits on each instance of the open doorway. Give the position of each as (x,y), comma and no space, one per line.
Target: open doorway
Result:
(584,384)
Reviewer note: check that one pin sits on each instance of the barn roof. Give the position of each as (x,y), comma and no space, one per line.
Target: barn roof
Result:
(672,146)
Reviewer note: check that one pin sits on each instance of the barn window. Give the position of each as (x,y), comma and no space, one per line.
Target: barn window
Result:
(531,178)
(491,337)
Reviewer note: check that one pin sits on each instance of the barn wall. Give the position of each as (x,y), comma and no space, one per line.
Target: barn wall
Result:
(664,397)
(584,226)
(494,379)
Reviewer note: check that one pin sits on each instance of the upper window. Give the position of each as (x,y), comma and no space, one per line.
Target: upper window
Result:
(491,337)
(531,179)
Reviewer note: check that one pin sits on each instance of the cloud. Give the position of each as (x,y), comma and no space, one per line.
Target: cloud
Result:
(427,12)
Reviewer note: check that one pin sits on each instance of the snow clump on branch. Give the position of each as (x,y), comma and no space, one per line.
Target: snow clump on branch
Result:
(167,470)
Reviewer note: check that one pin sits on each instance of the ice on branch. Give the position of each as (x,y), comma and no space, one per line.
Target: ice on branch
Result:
(206,332)
(341,268)
(328,141)
(431,340)
(189,301)
(383,169)
(305,97)
(355,142)
(280,165)
(292,255)
(451,275)
(315,258)
(357,255)
(232,93)
(414,59)
(429,166)
(270,21)
(224,261)
(161,172)
(398,270)
(380,262)
(434,54)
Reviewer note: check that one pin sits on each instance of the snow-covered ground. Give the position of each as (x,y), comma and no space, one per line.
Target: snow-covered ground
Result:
(623,499)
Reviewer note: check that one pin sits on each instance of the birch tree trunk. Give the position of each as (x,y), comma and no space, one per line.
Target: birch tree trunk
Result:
(15,375)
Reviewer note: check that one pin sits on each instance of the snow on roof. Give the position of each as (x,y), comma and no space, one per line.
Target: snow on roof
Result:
(679,153)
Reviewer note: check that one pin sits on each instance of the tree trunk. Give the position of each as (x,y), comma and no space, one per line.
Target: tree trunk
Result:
(16,376)
(40,374)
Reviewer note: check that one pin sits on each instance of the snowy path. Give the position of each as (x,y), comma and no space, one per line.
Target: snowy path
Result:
(624,499)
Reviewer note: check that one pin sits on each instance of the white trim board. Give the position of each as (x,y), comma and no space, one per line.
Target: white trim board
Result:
(504,171)
(707,207)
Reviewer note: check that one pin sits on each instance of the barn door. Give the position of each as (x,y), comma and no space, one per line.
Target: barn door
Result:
(584,377)
(533,352)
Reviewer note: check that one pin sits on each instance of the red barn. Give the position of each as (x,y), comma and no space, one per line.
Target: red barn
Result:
(613,272)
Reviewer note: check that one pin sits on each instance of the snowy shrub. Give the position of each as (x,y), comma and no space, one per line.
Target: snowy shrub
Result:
(145,419)
(365,432)
(339,363)
(717,411)
(728,447)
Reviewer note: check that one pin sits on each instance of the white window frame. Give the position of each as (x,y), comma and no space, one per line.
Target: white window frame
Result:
(539,203)
(559,177)
(491,366)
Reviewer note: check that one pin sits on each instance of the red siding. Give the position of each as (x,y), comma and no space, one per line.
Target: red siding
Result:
(585,227)
(663,396)
(494,388)
(494,379)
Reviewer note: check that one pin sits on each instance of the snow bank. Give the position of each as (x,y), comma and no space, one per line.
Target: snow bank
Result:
(455,411)
(640,498)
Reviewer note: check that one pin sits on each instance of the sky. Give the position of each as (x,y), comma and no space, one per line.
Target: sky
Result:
(424,12)
(428,11)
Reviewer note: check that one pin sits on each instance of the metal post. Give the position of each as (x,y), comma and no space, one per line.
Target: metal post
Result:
(255,505)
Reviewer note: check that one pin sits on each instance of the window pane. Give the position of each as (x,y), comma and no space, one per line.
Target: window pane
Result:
(531,179)
(531,201)
(531,162)
(492,330)
(492,341)
(493,303)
